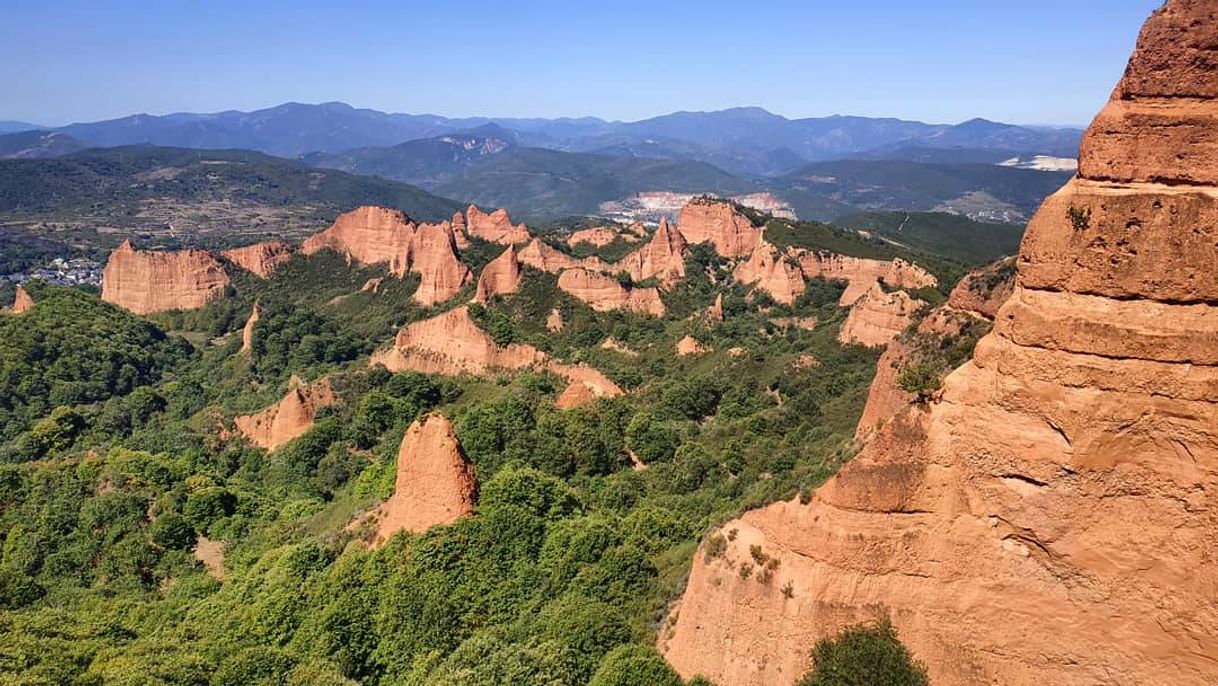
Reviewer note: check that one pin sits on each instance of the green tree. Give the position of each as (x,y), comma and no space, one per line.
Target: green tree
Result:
(634,665)
(864,655)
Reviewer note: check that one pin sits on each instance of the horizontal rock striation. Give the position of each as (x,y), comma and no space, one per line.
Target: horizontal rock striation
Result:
(1051,519)
(878,317)
(146,282)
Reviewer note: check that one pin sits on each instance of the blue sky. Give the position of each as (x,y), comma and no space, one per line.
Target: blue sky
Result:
(1031,61)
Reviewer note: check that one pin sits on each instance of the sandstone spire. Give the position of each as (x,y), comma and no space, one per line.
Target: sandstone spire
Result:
(1050,520)
(289,418)
(770,270)
(22,302)
(146,281)
(500,277)
(433,256)
(663,257)
(435,481)
(247,332)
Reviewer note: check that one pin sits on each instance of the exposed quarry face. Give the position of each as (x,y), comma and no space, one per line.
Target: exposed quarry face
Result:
(261,259)
(435,481)
(1051,519)
(145,282)
(287,419)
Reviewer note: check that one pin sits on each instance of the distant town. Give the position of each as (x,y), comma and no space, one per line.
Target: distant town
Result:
(61,271)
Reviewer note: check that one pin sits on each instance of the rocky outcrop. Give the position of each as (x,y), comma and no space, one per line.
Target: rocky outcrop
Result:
(771,271)
(499,277)
(586,384)
(618,347)
(554,322)
(663,257)
(452,344)
(495,227)
(433,256)
(878,317)
(690,346)
(715,312)
(260,259)
(459,231)
(604,293)
(247,332)
(544,257)
(22,302)
(435,482)
(287,419)
(1050,519)
(860,273)
(983,291)
(145,282)
(707,220)
(600,236)
(368,235)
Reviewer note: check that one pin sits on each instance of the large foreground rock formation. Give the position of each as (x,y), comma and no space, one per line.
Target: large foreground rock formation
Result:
(145,282)
(1052,519)
(435,481)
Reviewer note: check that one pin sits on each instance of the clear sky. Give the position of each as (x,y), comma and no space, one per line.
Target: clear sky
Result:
(1020,61)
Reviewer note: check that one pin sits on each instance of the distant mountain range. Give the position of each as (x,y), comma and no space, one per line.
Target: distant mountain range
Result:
(746,140)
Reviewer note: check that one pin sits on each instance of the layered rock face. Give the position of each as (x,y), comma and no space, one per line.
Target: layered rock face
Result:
(663,257)
(500,277)
(543,257)
(287,419)
(145,282)
(704,220)
(261,259)
(983,291)
(22,302)
(435,481)
(860,273)
(495,227)
(247,331)
(773,273)
(878,317)
(604,293)
(368,235)
(1052,519)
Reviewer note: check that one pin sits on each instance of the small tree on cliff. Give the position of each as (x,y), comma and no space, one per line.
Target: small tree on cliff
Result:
(864,655)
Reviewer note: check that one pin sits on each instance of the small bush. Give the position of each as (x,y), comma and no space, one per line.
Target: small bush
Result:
(864,655)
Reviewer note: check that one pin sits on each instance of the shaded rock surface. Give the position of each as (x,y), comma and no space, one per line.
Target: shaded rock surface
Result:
(260,258)
(435,482)
(604,293)
(499,277)
(771,271)
(983,291)
(717,222)
(878,317)
(496,227)
(145,282)
(1051,519)
(287,419)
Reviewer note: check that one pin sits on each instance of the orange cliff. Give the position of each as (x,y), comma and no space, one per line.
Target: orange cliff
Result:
(433,256)
(287,419)
(501,276)
(860,273)
(983,291)
(435,482)
(495,227)
(544,257)
(707,220)
(878,317)
(247,331)
(260,259)
(145,282)
(771,271)
(662,257)
(452,344)
(1051,518)
(604,293)
(22,302)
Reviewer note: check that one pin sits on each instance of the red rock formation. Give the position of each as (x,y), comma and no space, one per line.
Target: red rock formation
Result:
(718,222)
(1051,519)
(247,332)
(878,317)
(690,346)
(435,481)
(22,302)
(663,257)
(495,227)
(860,273)
(451,343)
(604,293)
(287,419)
(500,277)
(459,231)
(575,394)
(600,236)
(983,291)
(433,256)
(554,321)
(261,259)
(544,257)
(368,235)
(594,384)
(145,282)
(715,311)
(771,271)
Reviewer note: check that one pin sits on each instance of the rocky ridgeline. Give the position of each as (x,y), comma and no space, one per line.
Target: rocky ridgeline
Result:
(1050,518)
